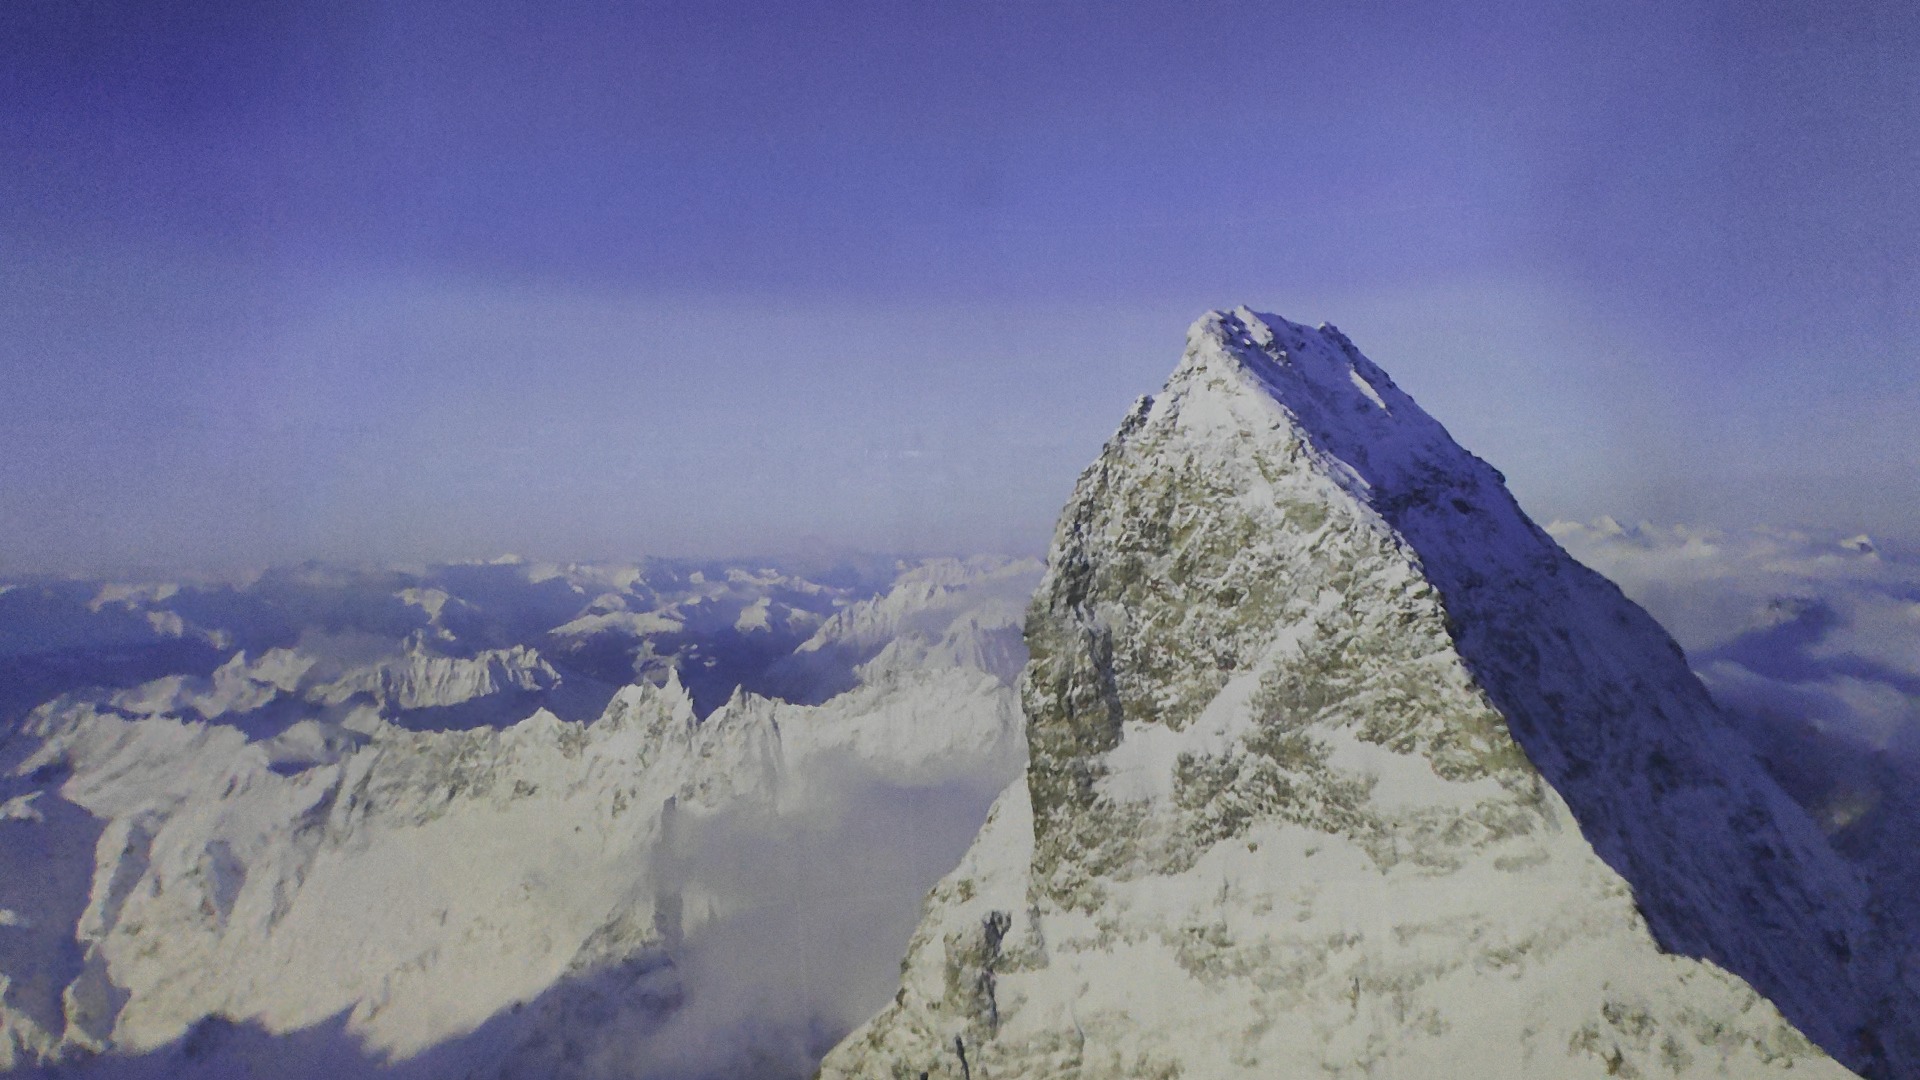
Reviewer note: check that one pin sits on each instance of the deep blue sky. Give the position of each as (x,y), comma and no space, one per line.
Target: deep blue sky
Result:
(414,280)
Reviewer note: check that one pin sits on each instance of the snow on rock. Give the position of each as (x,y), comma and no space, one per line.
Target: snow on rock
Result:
(1341,767)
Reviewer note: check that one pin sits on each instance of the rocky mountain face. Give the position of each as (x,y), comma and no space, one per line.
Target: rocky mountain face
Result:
(1341,767)
(300,864)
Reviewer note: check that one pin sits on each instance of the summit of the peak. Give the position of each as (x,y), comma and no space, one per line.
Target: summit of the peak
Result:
(1322,391)
(1240,326)
(1269,346)
(1245,325)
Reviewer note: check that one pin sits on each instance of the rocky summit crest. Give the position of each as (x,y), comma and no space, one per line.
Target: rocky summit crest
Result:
(1342,767)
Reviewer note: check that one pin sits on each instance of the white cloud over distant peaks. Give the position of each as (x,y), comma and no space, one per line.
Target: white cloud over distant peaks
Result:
(1788,627)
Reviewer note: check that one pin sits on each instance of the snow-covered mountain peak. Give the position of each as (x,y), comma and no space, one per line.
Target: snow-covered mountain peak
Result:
(1330,394)
(667,703)
(1340,766)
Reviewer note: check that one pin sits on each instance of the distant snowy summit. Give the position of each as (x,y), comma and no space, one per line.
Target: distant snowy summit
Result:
(1341,767)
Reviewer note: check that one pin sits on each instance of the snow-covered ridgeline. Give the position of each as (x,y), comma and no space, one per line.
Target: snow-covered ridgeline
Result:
(416,678)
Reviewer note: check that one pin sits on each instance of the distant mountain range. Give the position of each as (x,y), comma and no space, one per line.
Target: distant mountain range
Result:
(499,819)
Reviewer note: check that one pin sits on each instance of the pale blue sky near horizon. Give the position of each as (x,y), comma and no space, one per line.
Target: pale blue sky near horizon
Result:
(408,281)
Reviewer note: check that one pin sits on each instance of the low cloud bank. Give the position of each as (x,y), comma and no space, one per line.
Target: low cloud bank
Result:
(811,914)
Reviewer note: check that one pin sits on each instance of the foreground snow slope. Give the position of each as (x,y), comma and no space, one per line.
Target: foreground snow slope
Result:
(1341,767)
(547,898)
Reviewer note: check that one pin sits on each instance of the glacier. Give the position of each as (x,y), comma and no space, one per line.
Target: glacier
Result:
(1340,766)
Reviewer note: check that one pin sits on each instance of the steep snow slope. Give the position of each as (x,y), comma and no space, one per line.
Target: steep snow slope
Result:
(548,898)
(1341,767)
